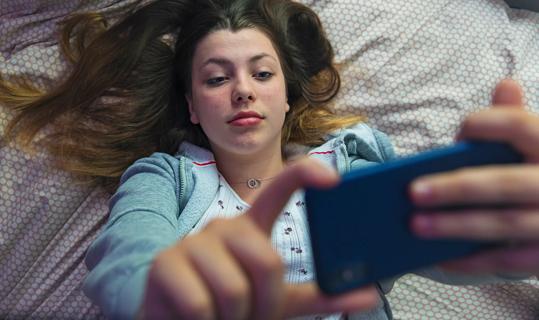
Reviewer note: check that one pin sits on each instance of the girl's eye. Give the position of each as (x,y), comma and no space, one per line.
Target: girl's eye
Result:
(215,81)
(264,75)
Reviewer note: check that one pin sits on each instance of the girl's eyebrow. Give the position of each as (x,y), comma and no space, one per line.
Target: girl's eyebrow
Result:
(261,56)
(225,62)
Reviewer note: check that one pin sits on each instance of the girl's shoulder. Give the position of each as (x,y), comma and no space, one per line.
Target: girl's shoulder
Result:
(361,141)
(159,162)
(162,171)
(354,147)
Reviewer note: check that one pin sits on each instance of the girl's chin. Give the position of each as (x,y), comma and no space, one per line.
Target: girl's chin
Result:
(245,148)
(248,143)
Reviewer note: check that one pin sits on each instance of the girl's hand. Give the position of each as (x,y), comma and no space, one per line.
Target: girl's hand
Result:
(516,185)
(229,270)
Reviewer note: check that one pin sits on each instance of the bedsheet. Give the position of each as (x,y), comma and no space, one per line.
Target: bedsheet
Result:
(414,68)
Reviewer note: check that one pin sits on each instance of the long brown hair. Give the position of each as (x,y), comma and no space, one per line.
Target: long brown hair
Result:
(124,98)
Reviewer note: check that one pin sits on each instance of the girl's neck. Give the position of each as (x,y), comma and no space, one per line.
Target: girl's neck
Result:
(240,170)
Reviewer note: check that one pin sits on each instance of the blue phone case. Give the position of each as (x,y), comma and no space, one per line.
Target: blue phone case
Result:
(360,228)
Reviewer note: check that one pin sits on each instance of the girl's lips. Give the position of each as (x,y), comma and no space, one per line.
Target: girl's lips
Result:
(246,119)
(245,122)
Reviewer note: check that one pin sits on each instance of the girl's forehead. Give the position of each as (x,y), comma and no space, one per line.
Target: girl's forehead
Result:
(234,45)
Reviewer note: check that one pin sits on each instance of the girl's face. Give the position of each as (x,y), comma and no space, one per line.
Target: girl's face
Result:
(238,92)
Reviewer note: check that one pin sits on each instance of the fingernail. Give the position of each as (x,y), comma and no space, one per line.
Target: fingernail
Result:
(423,225)
(422,191)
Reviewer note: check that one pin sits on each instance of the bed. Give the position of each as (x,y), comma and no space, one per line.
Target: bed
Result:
(414,68)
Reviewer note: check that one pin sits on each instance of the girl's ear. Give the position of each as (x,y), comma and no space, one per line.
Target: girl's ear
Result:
(194,117)
(287,107)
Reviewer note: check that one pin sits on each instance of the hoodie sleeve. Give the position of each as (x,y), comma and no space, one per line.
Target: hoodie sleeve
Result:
(143,221)
(365,146)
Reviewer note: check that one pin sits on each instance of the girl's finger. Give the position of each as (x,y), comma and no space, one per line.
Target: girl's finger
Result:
(480,224)
(183,292)
(307,172)
(253,251)
(306,298)
(515,185)
(508,93)
(222,275)
(155,306)
(515,126)
(523,259)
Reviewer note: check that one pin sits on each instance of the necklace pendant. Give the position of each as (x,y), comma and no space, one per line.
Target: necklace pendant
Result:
(253,183)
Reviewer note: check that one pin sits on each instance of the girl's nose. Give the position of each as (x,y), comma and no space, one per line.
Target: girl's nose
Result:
(243,92)
(244,97)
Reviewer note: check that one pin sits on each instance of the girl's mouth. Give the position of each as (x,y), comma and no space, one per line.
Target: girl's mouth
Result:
(245,119)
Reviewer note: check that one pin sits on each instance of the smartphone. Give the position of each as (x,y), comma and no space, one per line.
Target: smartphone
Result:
(360,229)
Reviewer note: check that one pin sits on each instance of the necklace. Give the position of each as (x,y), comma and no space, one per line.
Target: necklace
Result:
(253,183)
